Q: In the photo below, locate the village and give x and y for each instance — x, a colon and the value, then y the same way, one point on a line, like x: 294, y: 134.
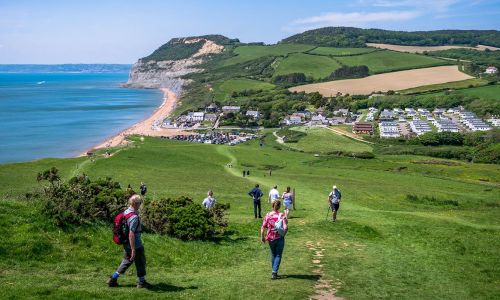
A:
x: 387, y: 123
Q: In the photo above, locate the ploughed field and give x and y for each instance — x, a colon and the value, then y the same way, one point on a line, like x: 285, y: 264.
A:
x: 409, y: 227
x: 384, y: 82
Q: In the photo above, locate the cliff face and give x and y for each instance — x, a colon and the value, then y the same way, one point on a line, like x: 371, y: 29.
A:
x: 166, y: 66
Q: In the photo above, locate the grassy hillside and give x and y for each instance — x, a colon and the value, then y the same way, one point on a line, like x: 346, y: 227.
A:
x: 446, y: 86
x: 222, y: 90
x: 384, y: 245
x: 341, y: 51
x: 490, y: 92
x: 247, y: 53
x: 388, y: 61
x: 311, y: 65
x: 322, y: 140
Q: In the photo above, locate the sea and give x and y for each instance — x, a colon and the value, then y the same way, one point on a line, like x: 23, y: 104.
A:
x: 63, y: 114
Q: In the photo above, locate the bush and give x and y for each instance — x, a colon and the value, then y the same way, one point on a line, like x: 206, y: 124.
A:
x: 349, y: 72
x: 183, y: 219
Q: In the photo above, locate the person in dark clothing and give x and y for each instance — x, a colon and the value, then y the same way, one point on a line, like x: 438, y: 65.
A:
x: 256, y: 194
x: 244, y: 172
x: 248, y: 173
x: 143, y: 188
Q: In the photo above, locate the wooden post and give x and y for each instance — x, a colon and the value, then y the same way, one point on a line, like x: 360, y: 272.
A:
x: 293, y: 202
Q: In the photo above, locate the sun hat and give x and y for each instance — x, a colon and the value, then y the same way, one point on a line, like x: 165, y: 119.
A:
x: 334, y: 187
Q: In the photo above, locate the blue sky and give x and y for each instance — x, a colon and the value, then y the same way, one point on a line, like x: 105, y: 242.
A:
x: 112, y: 31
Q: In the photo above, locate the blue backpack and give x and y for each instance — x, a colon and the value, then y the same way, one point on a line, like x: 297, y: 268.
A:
x: 279, y: 226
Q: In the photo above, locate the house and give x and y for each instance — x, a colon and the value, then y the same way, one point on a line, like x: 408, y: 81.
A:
x: 446, y: 125
x: 438, y: 111
x: 230, y: 109
x: 212, y: 108
x: 420, y: 127
x: 495, y: 121
x: 491, y: 70
x: 362, y: 128
x: 317, y: 120
x: 386, y: 115
x: 320, y: 111
x: 293, y: 120
x: 389, y: 130
x: 253, y: 113
x: 341, y: 112
x: 210, y: 117
x: 195, y: 116
x: 337, y: 120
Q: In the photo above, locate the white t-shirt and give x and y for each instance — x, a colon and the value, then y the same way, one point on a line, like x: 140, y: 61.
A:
x: 209, y: 202
x: 274, y: 195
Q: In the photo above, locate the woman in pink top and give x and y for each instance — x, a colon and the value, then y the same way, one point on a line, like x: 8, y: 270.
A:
x: 276, y: 242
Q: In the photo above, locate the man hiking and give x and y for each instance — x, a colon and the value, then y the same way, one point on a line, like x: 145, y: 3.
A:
x: 334, y: 201
x: 256, y: 194
x: 143, y: 189
x: 274, y: 195
x: 133, y: 249
x: 209, y: 202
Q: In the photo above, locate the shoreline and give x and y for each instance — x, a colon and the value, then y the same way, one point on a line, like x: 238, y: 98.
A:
x: 147, y: 127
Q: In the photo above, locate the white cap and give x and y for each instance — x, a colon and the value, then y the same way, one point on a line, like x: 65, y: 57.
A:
x: 334, y: 187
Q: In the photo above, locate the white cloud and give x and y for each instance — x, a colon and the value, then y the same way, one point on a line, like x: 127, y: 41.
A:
x: 358, y: 19
x: 421, y: 5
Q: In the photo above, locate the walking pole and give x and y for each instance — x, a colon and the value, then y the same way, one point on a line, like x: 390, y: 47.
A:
x: 293, y: 202
x: 327, y: 212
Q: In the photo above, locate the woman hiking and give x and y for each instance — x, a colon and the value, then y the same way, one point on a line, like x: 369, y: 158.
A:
x: 287, y: 201
x: 275, y: 239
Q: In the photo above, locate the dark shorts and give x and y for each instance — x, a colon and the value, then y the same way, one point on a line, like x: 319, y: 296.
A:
x: 335, y: 206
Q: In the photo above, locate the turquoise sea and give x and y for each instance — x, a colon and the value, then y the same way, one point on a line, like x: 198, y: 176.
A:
x: 64, y: 114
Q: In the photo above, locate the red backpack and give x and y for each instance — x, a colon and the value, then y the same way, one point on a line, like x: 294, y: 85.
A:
x: 120, y: 228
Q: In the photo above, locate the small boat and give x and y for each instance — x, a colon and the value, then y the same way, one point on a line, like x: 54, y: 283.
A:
x: 40, y: 82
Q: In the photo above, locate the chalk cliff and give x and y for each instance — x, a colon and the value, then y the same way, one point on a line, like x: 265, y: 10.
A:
x: 166, y: 66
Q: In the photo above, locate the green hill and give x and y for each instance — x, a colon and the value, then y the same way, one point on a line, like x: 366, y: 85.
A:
x: 357, y: 37
x: 427, y: 228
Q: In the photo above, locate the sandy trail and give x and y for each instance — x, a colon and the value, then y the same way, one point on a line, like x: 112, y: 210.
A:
x: 149, y: 126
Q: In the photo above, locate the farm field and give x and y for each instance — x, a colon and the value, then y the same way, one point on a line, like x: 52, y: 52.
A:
x: 383, y: 82
x: 341, y: 51
x: 246, y: 53
x: 489, y: 91
x: 322, y: 140
x: 416, y: 49
x: 311, y: 65
x: 222, y: 90
x: 388, y: 61
x: 446, y: 86
x: 427, y: 247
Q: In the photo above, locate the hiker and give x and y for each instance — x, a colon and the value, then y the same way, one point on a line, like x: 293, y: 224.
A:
x: 274, y: 237
x: 274, y: 195
x: 244, y: 172
x: 248, y: 173
x: 209, y: 201
x: 256, y: 194
x: 133, y: 248
x: 334, y: 201
x: 143, y: 188
x: 287, y: 200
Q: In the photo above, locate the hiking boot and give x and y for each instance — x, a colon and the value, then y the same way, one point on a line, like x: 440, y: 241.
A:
x: 274, y: 276
x: 144, y: 285
x: 112, y: 282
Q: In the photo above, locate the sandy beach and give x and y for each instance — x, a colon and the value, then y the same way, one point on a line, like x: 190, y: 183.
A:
x: 149, y: 126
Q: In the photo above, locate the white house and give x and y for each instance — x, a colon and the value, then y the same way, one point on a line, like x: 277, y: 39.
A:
x: 491, y: 70
x: 227, y: 109
x: 293, y: 120
x: 389, y: 130
x: 253, y: 113
x: 195, y: 116
x: 420, y: 127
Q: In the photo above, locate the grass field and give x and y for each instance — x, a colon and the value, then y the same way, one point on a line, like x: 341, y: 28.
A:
x: 246, y: 53
x: 223, y: 90
x: 388, y: 61
x: 490, y: 92
x: 322, y: 140
x: 445, y: 86
x: 341, y: 51
x: 384, y: 245
x: 311, y: 65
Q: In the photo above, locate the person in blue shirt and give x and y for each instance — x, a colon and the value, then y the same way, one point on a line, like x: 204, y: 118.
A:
x: 256, y: 194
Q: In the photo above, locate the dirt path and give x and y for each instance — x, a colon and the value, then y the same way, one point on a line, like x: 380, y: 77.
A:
x: 278, y: 138
x: 324, y: 288
x: 348, y: 134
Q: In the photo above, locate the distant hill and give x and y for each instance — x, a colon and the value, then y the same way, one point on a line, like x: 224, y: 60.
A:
x: 357, y: 37
x: 65, y: 68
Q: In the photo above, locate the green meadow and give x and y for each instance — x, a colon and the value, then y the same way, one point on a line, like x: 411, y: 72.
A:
x: 223, y: 90
x: 341, y: 51
x: 463, y: 84
x: 409, y: 227
x: 247, y: 53
x: 489, y: 92
x: 323, y: 140
x: 311, y: 65
x: 388, y: 61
